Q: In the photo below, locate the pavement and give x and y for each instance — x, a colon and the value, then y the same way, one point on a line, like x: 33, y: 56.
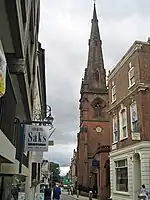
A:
x: 65, y: 196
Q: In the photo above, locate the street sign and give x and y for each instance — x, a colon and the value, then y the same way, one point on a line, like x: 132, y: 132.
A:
x: 21, y: 196
x: 36, y: 138
x: 51, y: 143
x: 67, y: 181
x: 40, y: 196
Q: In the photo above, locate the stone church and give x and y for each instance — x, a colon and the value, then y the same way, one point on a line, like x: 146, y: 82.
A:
x: 93, y: 138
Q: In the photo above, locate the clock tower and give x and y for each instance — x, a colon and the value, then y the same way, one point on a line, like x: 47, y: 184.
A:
x: 94, y: 124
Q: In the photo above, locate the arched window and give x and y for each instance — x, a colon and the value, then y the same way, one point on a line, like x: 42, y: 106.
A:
x: 98, y: 110
x: 98, y: 106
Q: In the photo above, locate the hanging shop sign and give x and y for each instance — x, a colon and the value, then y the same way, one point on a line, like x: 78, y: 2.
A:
x: 39, y: 196
x: 36, y: 138
x: 3, y: 65
x: 21, y: 196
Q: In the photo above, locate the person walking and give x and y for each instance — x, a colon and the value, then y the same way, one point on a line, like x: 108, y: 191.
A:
x: 144, y: 193
x: 47, y: 193
x: 56, y: 192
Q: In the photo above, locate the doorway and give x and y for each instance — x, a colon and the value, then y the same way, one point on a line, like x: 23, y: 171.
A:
x: 137, y: 172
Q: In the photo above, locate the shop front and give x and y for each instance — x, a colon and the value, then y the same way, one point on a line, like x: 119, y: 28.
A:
x: 11, y: 186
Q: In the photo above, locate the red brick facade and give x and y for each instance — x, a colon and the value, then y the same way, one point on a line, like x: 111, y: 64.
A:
x: 129, y: 116
x: 126, y: 95
x: 93, y: 138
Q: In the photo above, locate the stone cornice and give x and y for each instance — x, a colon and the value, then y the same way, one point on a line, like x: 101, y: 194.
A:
x: 135, y: 147
x: 136, y: 46
x: 95, y: 120
x: 139, y: 87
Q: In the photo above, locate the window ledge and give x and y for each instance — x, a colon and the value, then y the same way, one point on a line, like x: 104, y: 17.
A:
x: 122, y: 193
x: 131, y: 86
x: 113, y: 101
x: 114, y: 142
x: 135, y: 132
x: 125, y: 138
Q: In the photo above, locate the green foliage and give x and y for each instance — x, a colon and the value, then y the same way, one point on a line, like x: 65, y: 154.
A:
x: 54, y: 170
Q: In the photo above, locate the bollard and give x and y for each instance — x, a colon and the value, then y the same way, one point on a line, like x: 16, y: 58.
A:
x: 90, y: 195
x: 77, y: 193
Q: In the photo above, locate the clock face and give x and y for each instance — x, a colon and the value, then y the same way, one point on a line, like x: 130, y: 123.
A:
x: 98, y: 129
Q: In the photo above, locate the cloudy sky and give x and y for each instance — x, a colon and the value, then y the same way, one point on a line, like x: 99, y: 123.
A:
x: 64, y: 33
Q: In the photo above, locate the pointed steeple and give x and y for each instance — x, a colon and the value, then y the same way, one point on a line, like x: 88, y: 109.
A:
x: 95, y: 29
x: 95, y: 72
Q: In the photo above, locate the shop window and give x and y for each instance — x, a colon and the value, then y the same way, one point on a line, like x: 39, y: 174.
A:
x: 34, y: 168
x: 39, y: 171
x: 121, y: 175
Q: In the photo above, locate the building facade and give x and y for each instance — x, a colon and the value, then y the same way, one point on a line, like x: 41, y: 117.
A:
x: 94, y: 124
x: 19, y: 23
x: 129, y: 97
x: 39, y: 113
x: 73, y: 169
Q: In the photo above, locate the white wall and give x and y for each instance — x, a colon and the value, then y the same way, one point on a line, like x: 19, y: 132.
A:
x: 143, y: 149
x: 7, y: 150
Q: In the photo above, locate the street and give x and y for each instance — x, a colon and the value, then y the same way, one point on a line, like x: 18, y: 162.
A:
x: 65, y: 196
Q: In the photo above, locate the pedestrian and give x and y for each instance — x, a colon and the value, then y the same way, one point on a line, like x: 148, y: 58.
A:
x: 56, y: 192
x: 71, y: 189
x: 77, y: 191
x: 47, y: 193
x: 144, y: 192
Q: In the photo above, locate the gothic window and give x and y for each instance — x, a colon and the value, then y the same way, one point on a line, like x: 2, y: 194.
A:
x: 98, y: 107
x: 98, y: 110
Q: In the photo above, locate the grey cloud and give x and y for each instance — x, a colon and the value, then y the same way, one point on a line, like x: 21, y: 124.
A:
x: 60, y: 154
x: 64, y: 33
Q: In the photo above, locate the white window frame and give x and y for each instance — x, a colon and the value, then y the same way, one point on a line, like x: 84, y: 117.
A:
x: 113, y: 92
x: 121, y: 125
x: 131, y: 77
x: 117, y: 166
x: 136, y: 120
x: 115, y: 120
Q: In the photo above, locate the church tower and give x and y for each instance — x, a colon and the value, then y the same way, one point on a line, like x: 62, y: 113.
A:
x: 94, y: 125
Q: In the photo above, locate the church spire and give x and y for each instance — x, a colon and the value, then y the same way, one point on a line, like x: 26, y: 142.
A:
x: 95, y: 29
x: 95, y: 72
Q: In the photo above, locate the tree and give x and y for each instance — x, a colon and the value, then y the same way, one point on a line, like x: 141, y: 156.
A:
x: 54, y: 170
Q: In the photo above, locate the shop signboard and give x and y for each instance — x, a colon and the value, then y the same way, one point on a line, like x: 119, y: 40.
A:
x: 3, y: 65
x: 21, y: 196
x: 36, y: 138
x: 39, y: 196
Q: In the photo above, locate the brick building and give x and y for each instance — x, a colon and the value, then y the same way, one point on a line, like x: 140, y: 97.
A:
x: 129, y: 98
x: 93, y: 138
x: 73, y: 168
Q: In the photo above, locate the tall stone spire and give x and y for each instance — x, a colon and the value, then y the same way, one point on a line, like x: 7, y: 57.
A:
x: 95, y: 74
x: 95, y: 29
